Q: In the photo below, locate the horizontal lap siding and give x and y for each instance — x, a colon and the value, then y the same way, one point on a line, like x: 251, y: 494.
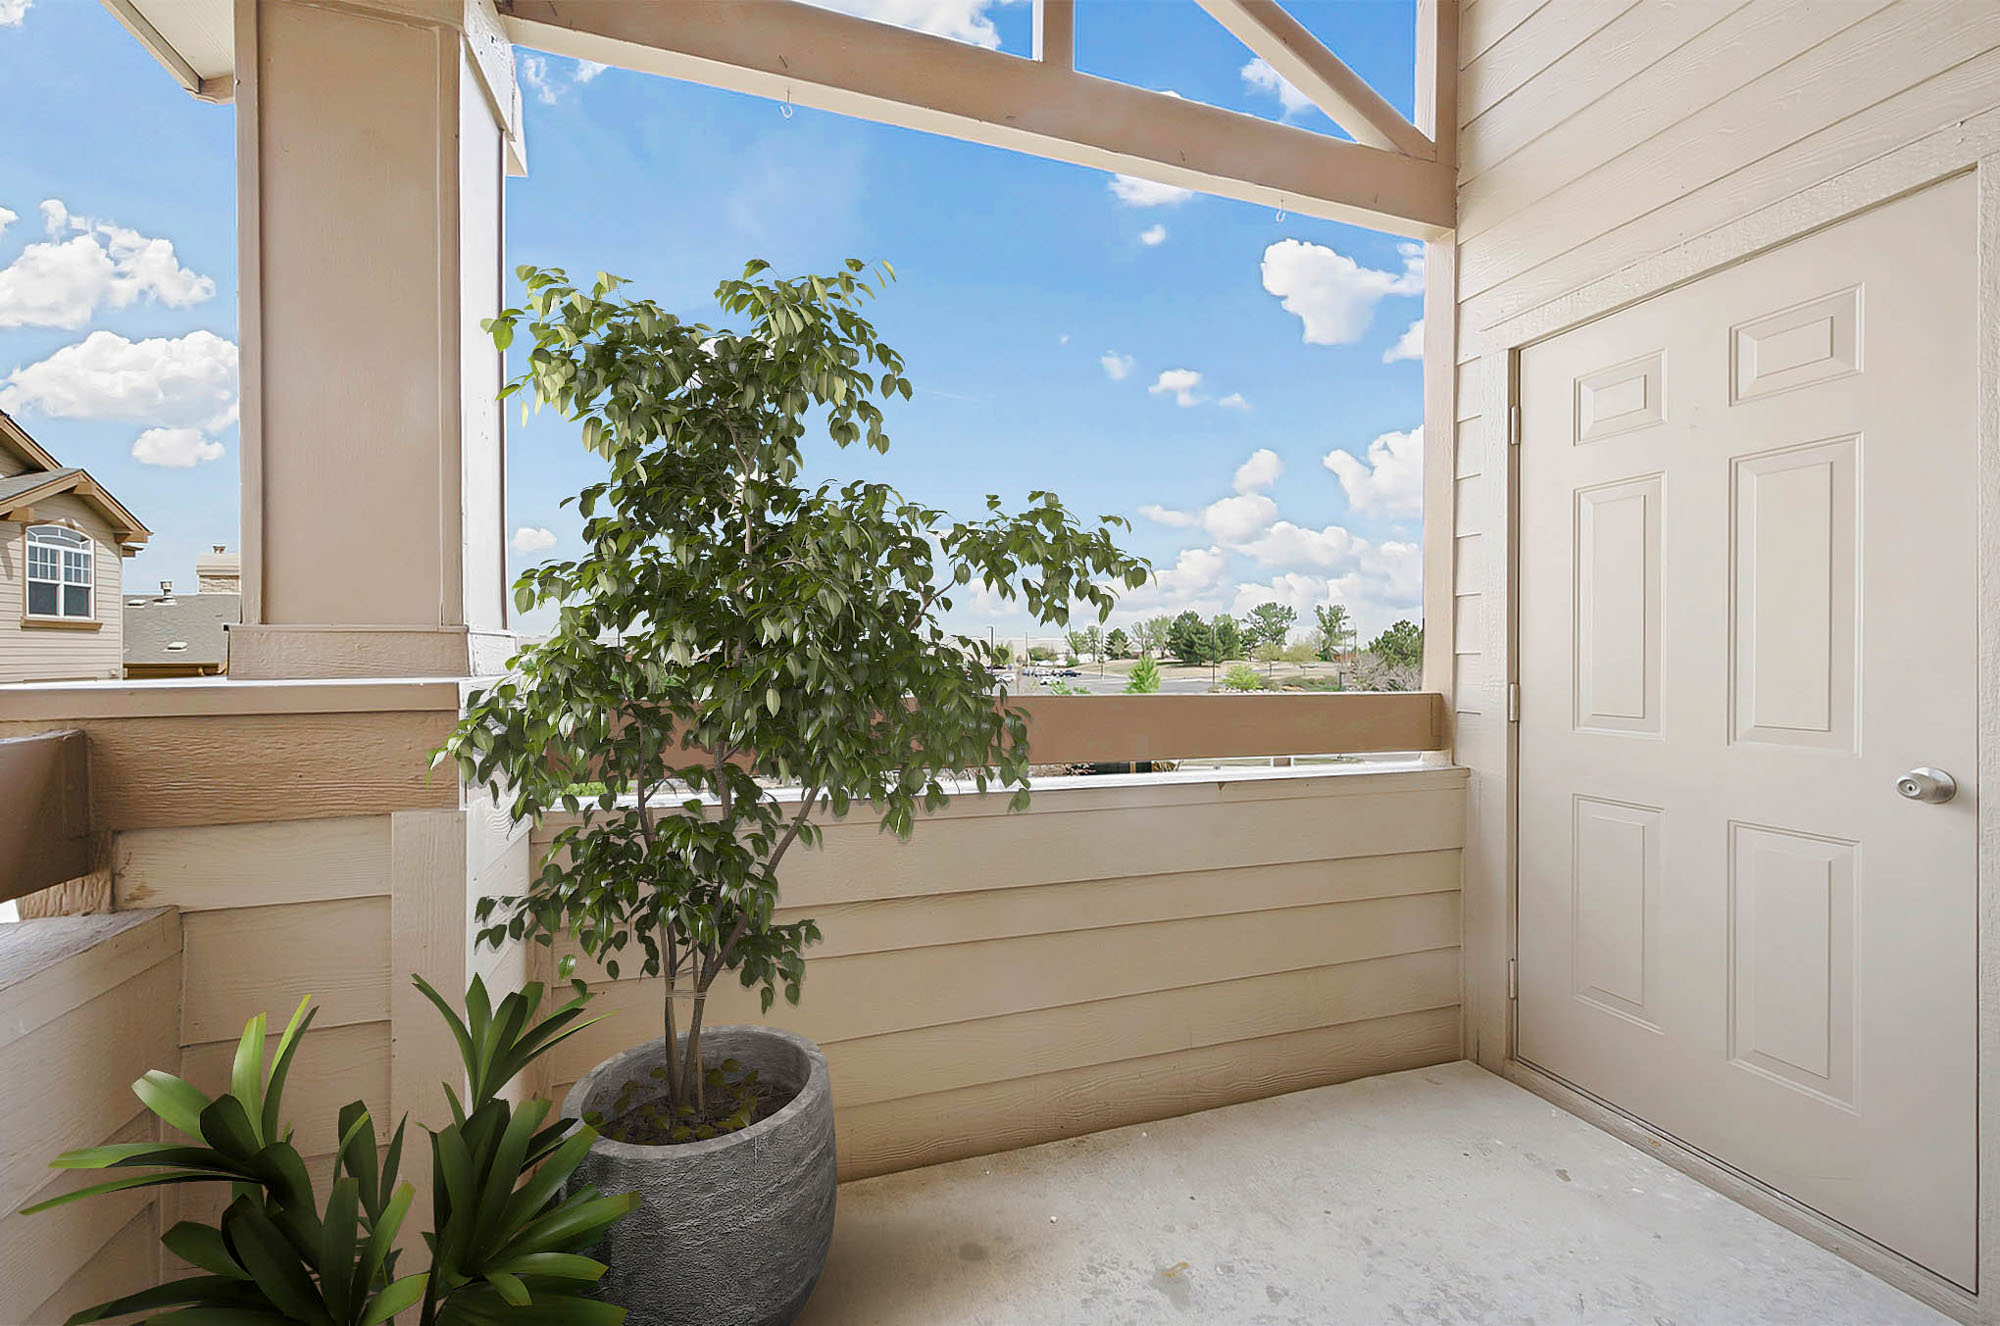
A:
x: 1002, y: 980
x: 73, y: 1037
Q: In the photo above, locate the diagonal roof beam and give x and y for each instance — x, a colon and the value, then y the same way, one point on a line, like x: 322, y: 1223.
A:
x: 784, y: 49
x: 1302, y: 61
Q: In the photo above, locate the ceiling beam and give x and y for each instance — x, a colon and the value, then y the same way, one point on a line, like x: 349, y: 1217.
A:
x: 1307, y: 65
x: 1055, y: 32
x: 1437, y: 76
x: 815, y: 57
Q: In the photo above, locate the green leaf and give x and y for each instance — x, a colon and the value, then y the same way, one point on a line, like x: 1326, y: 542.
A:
x: 393, y: 1299
x: 203, y: 1246
x: 246, y: 1074
x: 178, y: 1104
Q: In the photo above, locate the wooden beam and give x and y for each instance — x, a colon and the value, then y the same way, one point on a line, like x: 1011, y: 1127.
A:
x: 1055, y: 32
x: 45, y: 816
x: 1299, y: 58
x: 1437, y: 76
x: 1077, y: 729
x: 786, y: 49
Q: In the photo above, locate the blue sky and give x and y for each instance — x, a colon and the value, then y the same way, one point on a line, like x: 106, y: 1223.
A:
x: 1039, y: 304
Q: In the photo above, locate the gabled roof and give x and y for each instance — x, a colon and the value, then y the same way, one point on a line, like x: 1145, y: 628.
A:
x: 196, y: 623
x: 49, y: 479
x: 15, y: 438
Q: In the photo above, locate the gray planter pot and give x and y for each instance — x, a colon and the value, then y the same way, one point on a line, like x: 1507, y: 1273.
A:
x: 732, y: 1231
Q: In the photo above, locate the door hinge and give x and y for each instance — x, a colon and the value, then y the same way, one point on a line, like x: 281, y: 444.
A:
x: 1513, y: 978
x: 1513, y: 425
x: 1513, y: 702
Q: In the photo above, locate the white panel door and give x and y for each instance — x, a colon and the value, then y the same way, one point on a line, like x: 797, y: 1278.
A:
x: 1747, y: 604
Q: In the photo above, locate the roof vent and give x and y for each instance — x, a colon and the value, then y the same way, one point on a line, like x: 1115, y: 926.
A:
x: 177, y: 646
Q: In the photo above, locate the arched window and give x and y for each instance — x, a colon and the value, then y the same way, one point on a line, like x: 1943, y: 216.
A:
x: 61, y: 573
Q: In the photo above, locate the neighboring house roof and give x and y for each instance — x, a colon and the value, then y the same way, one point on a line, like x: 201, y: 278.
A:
x: 194, y: 622
x: 49, y: 479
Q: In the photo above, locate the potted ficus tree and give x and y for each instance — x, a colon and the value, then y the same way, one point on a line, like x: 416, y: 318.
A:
x: 736, y: 655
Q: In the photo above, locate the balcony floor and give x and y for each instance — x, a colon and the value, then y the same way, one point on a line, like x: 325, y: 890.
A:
x: 1438, y: 1195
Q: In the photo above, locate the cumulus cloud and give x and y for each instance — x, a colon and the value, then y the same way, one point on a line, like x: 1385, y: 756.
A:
x: 1154, y: 236
x: 1236, y: 520
x: 531, y: 539
x: 960, y: 20
x: 85, y: 265
x: 1258, y: 76
x: 1410, y: 345
x: 1116, y: 366
x: 7, y: 218
x: 1390, y: 478
x: 184, y: 382
x: 550, y: 82
x: 1135, y: 192
x: 588, y: 70
x: 1286, y: 544
x: 1381, y: 584
x: 1332, y: 295
x: 1180, y: 384
x: 175, y: 448
x: 1260, y: 471
x: 1195, y: 581
x: 1234, y: 401
x: 13, y: 11
x: 1160, y: 515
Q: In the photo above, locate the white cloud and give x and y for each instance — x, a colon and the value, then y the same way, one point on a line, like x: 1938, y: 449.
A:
x: 534, y: 73
x: 13, y: 11
x: 1260, y: 471
x: 1234, y: 401
x: 1258, y: 76
x: 1180, y: 384
x: 1116, y: 366
x: 587, y: 71
x: 960, y: 20
x: 1286, y: 544
x: 1391, y: 478
x: 1194, y: 581
x: 1160, y: 515
x: 1236, y: 520
x: 61, y: 282
x: 531, y: 539
x: 1410, y: 345
x: 1383, y: 583
x: 1135, y: 192
x: 186, y: 382
x: 1154, y: 236
x: 1063, y: 339
x: 7, y: 218
x: 1333, y: 296
x: 175, y: 448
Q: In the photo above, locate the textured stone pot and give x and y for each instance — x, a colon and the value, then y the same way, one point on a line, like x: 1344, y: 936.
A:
x: 732, y: 1231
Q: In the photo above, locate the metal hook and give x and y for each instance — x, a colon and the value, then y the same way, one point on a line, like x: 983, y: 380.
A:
x: 1281, y: 211
x: 786, y: 109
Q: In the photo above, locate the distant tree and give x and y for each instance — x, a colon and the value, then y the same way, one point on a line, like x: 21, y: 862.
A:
x: 1228, y: 638
x: 1085, y: 643
x: 1041, y: 653
x: 1271, y: 623
x: 1300, y: 651
x: 1118, y: 644
x: 1401, y: 646
x: 1190, y: 639
x: 1145, y: 678
x: 1268, y: 654
x: 1151, y: 635
x: 1333, y: 632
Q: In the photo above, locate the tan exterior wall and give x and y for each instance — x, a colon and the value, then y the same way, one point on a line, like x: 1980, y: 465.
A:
x: 1609, y: 152
x: 74, y: 1032
x: 1111, y: 955
x: 61, y: 653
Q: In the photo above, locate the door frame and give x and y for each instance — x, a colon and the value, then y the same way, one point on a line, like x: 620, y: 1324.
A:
x: 1492, y: 840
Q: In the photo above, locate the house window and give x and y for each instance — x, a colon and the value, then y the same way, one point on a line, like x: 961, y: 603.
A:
x: 61, y: 573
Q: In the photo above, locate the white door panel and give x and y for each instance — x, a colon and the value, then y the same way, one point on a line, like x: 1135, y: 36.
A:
x: 1747, y: 595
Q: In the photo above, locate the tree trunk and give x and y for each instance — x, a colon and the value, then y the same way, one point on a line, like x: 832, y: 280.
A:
x: 691, y: 1066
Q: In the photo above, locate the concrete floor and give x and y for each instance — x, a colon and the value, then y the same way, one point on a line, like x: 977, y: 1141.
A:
x: 1442, y: 1195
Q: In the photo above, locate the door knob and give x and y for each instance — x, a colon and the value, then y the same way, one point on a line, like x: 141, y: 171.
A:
x: 1930, y: 785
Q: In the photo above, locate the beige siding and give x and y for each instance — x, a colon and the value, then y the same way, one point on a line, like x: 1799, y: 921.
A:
x: 1607, y: 151
x: 42, y: 653
x: 1109, y: 956
x: 74, y: 1032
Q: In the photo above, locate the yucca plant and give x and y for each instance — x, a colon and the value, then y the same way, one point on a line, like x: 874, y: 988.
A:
x: 505, y: 1245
